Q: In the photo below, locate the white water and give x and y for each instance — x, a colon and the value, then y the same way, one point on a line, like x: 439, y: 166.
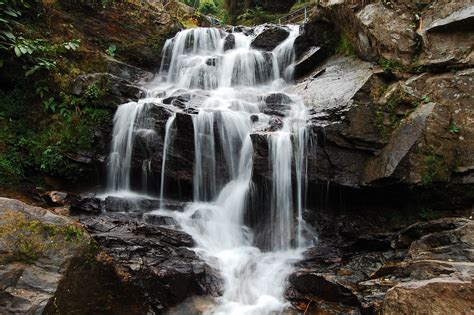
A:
x: 236, y: 82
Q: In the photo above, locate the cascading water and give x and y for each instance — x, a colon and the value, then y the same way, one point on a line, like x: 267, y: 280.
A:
x: 236, y: 81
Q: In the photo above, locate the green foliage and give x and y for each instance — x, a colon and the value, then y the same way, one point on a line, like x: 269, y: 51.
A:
x: 11, y: 172
x: 425, y: 99
x: 388, y: 116
x: 435, y: 167
x: 10, y: 10
x: 49, y: 105
x: 454, y: 128
x: 257, y: 16
x: 43, y: 148
x: 34, y: 54
x: 111, y: 50
x: 208, y: 8
x: 344, y: 47
x: 428, y: 214
x: 391, y: 65
x: 92, y: 92
x: 97, y: 115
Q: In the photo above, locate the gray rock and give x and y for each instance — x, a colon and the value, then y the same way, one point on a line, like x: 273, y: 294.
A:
x: 114, y: 90
x: 447, y: 34
x: 270, y: 38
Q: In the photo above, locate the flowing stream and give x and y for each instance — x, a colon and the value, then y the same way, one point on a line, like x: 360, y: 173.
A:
x: 243, y: 91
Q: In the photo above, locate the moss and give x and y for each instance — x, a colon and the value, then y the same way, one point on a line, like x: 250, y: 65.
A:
x: 344, y: 47
x: 435, y: 166
x: 390, y: 114
x: 390, y: 65
x: 26, y: 240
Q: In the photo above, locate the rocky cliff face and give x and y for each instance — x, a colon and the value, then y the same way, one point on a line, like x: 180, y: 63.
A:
x: 403, y: 117
x: 391, y: 134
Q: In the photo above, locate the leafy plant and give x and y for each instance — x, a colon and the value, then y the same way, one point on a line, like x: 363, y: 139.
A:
x: 428, y: 214
x: 49, y: 105
x: 453, y: 128
x: 111, y: 50
x: 72, y: 45
x: 344, y: 47
x: 9, y: 11
x: 92, y: 92
x: 390, y: 65
x: 208, y: 8
x: 425, y: 99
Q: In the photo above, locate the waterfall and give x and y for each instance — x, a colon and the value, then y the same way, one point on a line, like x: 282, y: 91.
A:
x: 166, y: 144
x: 123, y: 135
x: 237, y: 81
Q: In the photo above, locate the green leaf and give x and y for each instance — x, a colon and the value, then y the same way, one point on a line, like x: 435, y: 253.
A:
x: 11, y: 12
x: 17, y: 51
x: 9, y: 35
x: 23, y: 49
x: 31, y: 71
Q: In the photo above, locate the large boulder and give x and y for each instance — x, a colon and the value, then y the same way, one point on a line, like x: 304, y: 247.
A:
x: 434, y: 296
x: 105, y: 89
x: 155, y: 259
x: 270, y: 37
x: 447, y: 34
x: 376, y: 31
x: 36, y: 249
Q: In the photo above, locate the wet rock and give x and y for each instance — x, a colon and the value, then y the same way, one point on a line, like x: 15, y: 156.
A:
x: 180, y: 157
x: 241, y: 29
x: 137, y: 204
x: 86, y: 204
x: 340, y: 103
x: 116, y: 204
x: 277, y: 104
x: 229, y: 42
x: 184, y: 98
x: 453, y: 245
x: 212, y: 61
x: 322, y: 286
x: 56, y: 198
x: 155, y: 259
x: 154, y: 219
x: 277, y: 99
x: 112, y: 89
x: 309, y: 61
x: 317, y: 33
x: 270, y: 38
x: 126, y: 71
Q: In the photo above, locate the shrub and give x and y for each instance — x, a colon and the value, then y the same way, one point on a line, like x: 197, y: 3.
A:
x: 208, y: 8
